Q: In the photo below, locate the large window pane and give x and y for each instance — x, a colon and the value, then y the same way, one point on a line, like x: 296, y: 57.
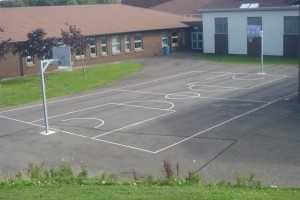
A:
x: 221, y: 25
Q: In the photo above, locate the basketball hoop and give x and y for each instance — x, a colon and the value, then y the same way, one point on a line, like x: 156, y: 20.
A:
x: 250, y: 38
x: 252, y: 32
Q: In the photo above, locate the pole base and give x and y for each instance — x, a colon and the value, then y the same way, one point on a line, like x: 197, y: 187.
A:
x: 49, y: 132
x: 261, y: 73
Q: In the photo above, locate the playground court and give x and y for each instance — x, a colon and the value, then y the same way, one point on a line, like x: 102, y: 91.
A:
x: 217, y: 119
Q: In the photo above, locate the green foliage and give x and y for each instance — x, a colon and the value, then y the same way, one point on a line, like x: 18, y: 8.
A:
x: 167, y: 169
x: 194, y: 178
x: 61, y: 183
x: 28, y: 89
x: 106, y: 179
x: 248, y: 181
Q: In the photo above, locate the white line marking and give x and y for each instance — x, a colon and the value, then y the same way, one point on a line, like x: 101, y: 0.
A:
x: 248, y: 79
x: 17, y: 120
x: 142, y: 92
x: 100, y: 120
x: 265, y: 83
x: 96, y: 93
x: 182, y: 95
x: 105, y: 141
x: 129, y: 104
x: 209, y: 78
x: 225, y: 122
x: 212, y: 90
x: 72, y: 112
x: 254, y: 101
x: 83, y: 136
x: 133, y: 124
x: 122, y: 145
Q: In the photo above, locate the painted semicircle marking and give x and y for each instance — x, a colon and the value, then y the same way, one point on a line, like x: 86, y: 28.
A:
x: 152, y: 104
x: 100, y: 122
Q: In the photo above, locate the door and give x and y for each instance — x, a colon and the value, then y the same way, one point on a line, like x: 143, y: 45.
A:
x: 197, y: 41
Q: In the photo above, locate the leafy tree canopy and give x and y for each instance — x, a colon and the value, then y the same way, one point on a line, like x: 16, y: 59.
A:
x: 36, y: 45
x: 5, y: 46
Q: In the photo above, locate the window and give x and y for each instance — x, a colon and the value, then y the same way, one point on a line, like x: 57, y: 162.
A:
x: 164, y: 39
x: 127, y: 43
x: 138, y: 43
x: 254, y: 21
x: 103, y: 45
x: 93, y: 46
x: 291, y: 25
x: 183, y: 38
x: 115, y: 44
x: 79, y: 55
x: 221, y: 25
x: 174, y: 38
x: 29, y: 60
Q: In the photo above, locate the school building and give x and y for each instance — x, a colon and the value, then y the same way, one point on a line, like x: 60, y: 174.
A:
x: 117, y: 32
x: 224, y: 30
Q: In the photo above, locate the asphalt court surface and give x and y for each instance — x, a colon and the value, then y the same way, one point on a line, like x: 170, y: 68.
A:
x: 156, y: 115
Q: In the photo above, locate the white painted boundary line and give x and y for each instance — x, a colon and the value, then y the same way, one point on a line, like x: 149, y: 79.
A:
x: 265, y: 83
x: 225, y: 122
x: 214, y: 77
x: 91, y: 119
x: 72, y: 112
x: 96, y: 93
x: 83, y: 136
x: 132, y: 125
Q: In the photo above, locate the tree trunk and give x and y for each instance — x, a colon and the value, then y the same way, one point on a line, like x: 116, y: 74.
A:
x: 21, y: 65
x: 83, y: 68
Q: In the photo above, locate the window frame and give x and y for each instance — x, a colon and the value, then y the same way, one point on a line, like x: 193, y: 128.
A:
x: 104, y: 45
x: 221, y: 25
x: 78, y: 55
x: 291, y: 27
x: 93, y: 46
x: 127, y: 43
x: 115, y: 44
x: 174, y: 38
x: 29, y: 60
x: 164, y: 39
x: 138, y: 41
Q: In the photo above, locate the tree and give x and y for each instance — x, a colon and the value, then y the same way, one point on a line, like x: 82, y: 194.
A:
x: 5, y: 46
x: 77, y: 42
x: 36, y: 45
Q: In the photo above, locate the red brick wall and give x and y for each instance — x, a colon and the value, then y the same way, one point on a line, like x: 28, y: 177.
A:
x: 152, y: 46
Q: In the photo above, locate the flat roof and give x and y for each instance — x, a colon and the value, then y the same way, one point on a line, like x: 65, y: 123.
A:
x: 282, y: 8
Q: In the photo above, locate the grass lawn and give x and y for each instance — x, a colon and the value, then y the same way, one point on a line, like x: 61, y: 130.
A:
x: 147, y: 192
x: 28, y: 89
x: 243, y: 59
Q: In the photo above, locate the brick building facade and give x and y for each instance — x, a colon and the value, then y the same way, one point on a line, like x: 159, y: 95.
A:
x: 143, y: 34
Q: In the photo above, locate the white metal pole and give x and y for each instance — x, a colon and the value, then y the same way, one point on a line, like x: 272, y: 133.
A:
x: 262, y: 52
x: 44, y: 95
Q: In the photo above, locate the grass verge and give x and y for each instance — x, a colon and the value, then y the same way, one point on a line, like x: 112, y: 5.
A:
x: 60, y: 182
x: 243, y: 59
x: 28, y: 89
